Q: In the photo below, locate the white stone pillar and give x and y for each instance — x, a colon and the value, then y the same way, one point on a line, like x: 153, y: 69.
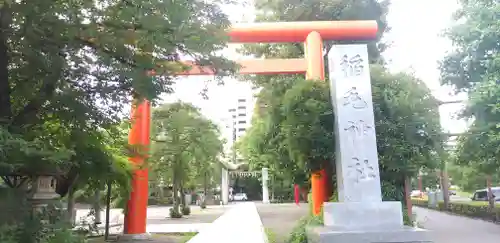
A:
x: 360, y: 215
x: 265, y: 189
x: 224, y: 188
x: 358, y: 178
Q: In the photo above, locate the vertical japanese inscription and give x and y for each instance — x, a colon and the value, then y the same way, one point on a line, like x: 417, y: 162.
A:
x: 352, y: 65
x: 357, y: 161
x: 359, y: 171
x: 356, y: 131
x: 353, y: 99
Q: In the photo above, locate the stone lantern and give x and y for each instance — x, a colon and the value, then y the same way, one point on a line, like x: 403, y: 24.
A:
x: 44, y: 188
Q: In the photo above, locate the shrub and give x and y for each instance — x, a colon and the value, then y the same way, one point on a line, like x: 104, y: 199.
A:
x: 174, y: 213
x: 299, y: 232
x: 165, y: 201
x: 152, y: 201
x: 420, y: 202
x: 203, y: 204
x: 42, y: 226
x: 472, y: 209
x: 186, y: 210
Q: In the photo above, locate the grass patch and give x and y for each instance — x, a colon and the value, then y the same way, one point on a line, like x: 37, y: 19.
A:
x: 271, y: 236
x: 187, y: 236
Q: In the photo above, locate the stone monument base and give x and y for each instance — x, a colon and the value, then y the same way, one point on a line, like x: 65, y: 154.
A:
x: 334, y: 235
x: 365, y: 222
x: 356, y: 215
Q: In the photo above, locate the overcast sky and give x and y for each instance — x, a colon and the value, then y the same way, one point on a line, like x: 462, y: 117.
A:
x: 417, y: 46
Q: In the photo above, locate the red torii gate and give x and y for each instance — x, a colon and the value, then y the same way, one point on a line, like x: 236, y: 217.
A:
x: 311, y: 33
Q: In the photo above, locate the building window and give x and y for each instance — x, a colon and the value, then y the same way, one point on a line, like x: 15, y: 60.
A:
x: 241, y: 100
x: 241, y: 129
x: 242, y: 122
x: 242, y: 114
x: 241, y: 107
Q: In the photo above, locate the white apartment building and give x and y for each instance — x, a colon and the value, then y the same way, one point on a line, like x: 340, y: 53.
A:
x: 237, y: 122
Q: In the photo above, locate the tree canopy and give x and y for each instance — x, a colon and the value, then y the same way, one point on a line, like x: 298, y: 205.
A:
x: 187, y: 147
x: 473, y: 67
x: 296, y: 134
x: 69, y: 69
x: 78, y: 64
x: 292, y: 131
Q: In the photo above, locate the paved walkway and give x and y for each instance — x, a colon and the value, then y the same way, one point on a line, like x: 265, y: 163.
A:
x: 447, y: 228
x: 159, y: 222
x: 279, y: 218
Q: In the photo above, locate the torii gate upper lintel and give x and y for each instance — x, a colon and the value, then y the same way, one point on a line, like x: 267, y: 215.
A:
x: 312, y: 33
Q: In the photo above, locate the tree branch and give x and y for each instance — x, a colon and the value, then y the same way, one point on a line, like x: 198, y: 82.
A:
x: 7, y: 181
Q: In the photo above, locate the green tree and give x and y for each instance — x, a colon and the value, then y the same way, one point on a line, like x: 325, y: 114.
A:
x: 473, y: 67
x: 300, y: 123
x: 310, y: 10
x: 468, y: 178
x: 68, y: 69
x: 187, y: 146
x: 74, y: 65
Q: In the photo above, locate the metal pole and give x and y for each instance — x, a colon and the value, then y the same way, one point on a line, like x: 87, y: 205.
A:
x: 108, y: 205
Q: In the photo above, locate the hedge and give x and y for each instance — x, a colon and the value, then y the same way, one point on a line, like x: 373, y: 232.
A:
x: 473, y: 209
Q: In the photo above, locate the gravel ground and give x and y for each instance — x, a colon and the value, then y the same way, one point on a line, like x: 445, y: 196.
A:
x: 281, y: 218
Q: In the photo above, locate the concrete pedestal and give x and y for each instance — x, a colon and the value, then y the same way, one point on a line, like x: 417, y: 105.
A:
x: 364, y: 222
x: 356, y: 215
x: 368, y: 235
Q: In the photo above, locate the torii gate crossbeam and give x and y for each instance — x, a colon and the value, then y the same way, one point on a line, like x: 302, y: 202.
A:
x: 311, y: 33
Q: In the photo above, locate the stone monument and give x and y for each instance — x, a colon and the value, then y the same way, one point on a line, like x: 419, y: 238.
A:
x: 360, y: 215
x: 44, y: 188
x: 265, y: 189
x: 224, y: 186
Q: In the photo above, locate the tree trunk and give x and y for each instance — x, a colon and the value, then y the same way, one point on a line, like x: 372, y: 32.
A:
x: 444, y: 188
x: 175, y: 190
x: 407, y: 194
x: 97, y: 207
x: 205, y: 184
x: 273, y: 179
x: 161, y: 192
x: 183, y: 196
x: 491, y: 198
x: 205, y: 188
x: 71, y: 211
